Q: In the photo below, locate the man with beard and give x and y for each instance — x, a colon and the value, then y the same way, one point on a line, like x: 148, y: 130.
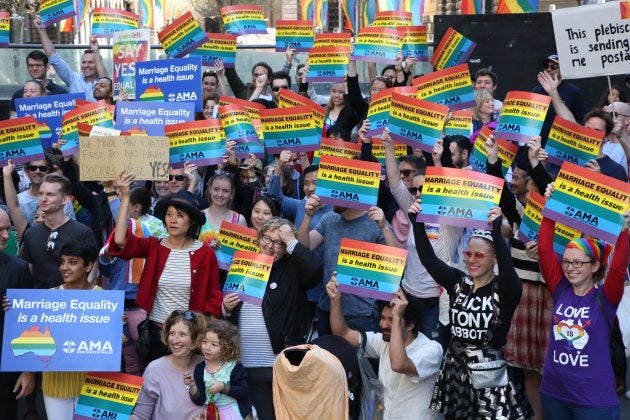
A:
x: 408, y: 360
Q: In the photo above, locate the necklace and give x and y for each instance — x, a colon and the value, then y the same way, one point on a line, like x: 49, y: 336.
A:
x: 214, y: 372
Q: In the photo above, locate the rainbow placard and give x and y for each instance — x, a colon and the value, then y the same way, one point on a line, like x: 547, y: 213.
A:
x: 378, y: 45
x: 234, y: 237
x: 415, y: 43
x: 221, y: 46
x: 458, y: 197
x: 248, y: 275
x: 108, y: 395
x: 200, y: 142
x: 339, y: 148
x: 241, y: 20
x: 479, y: 158
x: 288, y: 99
x: 182, y: 36
x: 5, y: 29
x: 392, y: 19
x: 327, y: 64
x: 451, y: 87
x: 238, y: 126
x: 460, y: 124
x: 348, y: 182
x: 333, y: 39
x: 297, y: 34
x: 571, y: 142
x: 530, y: 225
x: 106, y: 21
x: 52, y: 11
x: 370, y: 270
x: 20, y: 141
x: 378, y: 112
x: 129, y: 48
x: 589, y: 201
x: 290, y: 128
x: 416, y: 122
x: 253, y: 108
x: 378, y: 150
x: 94, y: 113
x: 522, y: 116
x: 453, y: 49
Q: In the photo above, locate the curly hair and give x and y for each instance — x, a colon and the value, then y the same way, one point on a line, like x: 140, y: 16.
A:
x: 194, y: 321
x: 228, y: 337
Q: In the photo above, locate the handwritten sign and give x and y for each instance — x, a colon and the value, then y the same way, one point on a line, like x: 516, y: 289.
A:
x: 592, y: 40
x: 451, y: 87
x: 234, y: 237
x: 52, y: 11
x: 200, y: 142
x: 297, y: 34
x: 327, y: 64
x: 248, y: 276
x: 238, y: 126
x: 20, y: 141
x: 53, y: 330
x: 392, y: 19
x: 458, y: 197
x: 5, y: 29
x: 378, y: 45
x: 182, y: 36
x: 479, y: 158
x: 290, y: 128
x: 151, y: 117
x: 415, y: 43
x: 571, y: 142
x: 108, y: 395
x: 416, y: 122
x: 218, y: 46
x: 129, y: 48
x: 370, y: 270
x: 243, y: 19
x: 104, y: 157
x: 460, y: 124
x: 522, y: 116
x: 93, y: 113
x: 453, y: 49
x: 348, y: 182
x: 339, y: 148
x: 106, y: 21
x: 589, y: 201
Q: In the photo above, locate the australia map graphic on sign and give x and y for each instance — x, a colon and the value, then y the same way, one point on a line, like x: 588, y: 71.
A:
x: 41, y: 344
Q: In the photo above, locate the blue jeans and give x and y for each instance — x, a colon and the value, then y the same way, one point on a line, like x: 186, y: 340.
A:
x: 556, y: 409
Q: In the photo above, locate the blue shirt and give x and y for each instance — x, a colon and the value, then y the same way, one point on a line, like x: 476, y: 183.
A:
x: 76, y: 81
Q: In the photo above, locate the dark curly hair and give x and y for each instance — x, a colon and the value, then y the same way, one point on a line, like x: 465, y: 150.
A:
x: 228, y: 337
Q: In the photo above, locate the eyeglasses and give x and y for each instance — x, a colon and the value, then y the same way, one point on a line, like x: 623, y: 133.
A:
x: 407, y: 172
x: 415, y: 190
x: 223, y: 173
x: 277, y: 88
x: 41, y: 168
x: 176, y: 177
x: 50, y: 244
x: 188, y: 314
x: 390, y: 77
x: 35, y: 66
x: 576, y: 263
x: 552, y: 67
x: 276, y: 244
x: 476, y: 254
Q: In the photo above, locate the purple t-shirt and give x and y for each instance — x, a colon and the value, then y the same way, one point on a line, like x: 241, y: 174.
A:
x: 577, y: 364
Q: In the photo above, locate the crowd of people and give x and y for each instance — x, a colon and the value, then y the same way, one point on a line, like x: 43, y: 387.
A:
x: 468, y: 299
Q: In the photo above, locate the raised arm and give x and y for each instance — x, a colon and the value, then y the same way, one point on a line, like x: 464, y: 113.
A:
x: 400, y: 361
x: 509, y: 282
x: 123, y: 182
x: 338, y: 324
x: 10, y: 194
x: 47, y: 44
x: 98, y: 60
x: 550, y: 84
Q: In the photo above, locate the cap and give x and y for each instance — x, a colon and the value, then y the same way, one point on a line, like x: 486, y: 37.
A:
x: 553, y: 58
x: 619, y: 108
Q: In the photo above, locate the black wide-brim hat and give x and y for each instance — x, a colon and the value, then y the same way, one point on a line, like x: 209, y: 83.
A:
x: 185, y: 200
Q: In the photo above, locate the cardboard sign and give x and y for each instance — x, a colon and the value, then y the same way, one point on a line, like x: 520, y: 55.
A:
x: 459, y: 197
x: 297, y: 34
x: 451, y: 87
x: 571, y: 142
x: 248, y: 276
x: 104, y: 157
x: 370, y: 270
x: 182, y: 36
x: 522, y: 116
x: 378, y: 45
x: 589, y: 201
x: 108, y: 395
x: 53, y: 330
x: 234, y: 237
x: 151, y: 117
x: 106, y: 21
x: 290, y: 128
x: 20, y: 141
x: 219, y: 46
x: 241, y: 20
x: 52, y: 11
x: 348, y: 182
x: 415, y: 122
x: 129, y: 48
x: 200, y: 142
x: 453, y: 49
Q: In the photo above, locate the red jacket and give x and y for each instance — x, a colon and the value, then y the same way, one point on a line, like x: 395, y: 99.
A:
x: 205, y: 292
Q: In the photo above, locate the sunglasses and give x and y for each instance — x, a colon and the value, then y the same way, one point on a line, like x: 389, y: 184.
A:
x: 407, y: 172
x: 415, y: 190
x: 188, y: 314
x: 50, y: 243
x: 276, y: 244
x: 41, y: 168
x: 476, y: 254
x: 224, y: 173
x: 277, y: 88
x: 176, y: 177
x: 552, y: 67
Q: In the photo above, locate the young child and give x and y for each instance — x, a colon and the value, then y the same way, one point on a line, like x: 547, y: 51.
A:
x: 220, y: 381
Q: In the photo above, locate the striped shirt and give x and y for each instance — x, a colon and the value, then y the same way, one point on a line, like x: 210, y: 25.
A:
x: 255, y: 341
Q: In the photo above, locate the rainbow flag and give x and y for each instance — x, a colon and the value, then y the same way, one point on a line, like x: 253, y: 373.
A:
x: 624, y: 7
x: 517, y: 6
x: 308, y: 10
x: 416, y: 7
x: 369, y: 11
x: 349, y: 8
x: 471, y: 7
x: 147, y: 13
x: 387, y: 5
x: 5, y: 29
x: 81, y: 7
x: 159, y: 13
x: 67, y: 25
x: 321, y: 13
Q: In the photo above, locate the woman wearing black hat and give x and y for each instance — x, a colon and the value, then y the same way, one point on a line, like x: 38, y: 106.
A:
x: 179, y: 272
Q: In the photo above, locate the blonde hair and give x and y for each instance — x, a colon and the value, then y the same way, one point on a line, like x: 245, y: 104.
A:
x: 480, y: 97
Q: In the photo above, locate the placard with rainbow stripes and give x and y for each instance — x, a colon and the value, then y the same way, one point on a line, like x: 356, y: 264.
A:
x: 453, y: 49
x: 234, y: 237
x: 93, y: 113
x: 589, y: 201
x: 52, y: 11
x: 348, y: 182
x: 339, y: 148
x: 571, y: 142
x: 327, y: 64
x: 289, y: 129
x: 182, y: 36
x: 392, y: 19
x: 20, y: 141
x: 416, y: 122
x: 459, y: 197
x: 248, y: 276
x: 200, y: 142
x: 522, y: 116
x: 5, y: 29
x: 288, y: 99
x: 333, y: 39
x: 243, y: 19
x: 460, y: 124
x: 479, y: 158
x: 221, y: 46
x: 108, y: 395
x: 378, y: 45
x: 451, y: 87
x: 415, y: 43
x: 238, y: 126
x: 107, y: 20
x: 370, y: 270
x: 297, y: 34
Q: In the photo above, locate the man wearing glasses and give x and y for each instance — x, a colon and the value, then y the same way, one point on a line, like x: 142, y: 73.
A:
x: 279, y: 80
x: 37, y: 66
x: 571, y: 95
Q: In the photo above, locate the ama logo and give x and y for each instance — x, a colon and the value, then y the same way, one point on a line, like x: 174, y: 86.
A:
x: 582, y: 216
x: 88, y: 347
x: 182, y: 97
x: 366, y: 283
x: 455, y: 212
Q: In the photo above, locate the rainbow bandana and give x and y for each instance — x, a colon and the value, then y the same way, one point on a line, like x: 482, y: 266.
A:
x: 594, y: 248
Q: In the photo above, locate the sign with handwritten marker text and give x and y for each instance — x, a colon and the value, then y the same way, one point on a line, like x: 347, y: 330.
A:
x: 458, y: 197
x: 479, y: 158
x: 453, y: 49
x: 571, y: 142
x: 243, y: 19
x: 339, y: 148
x: 218, y: 46
x: 348, y: 182
x: 200, y: 142
x: 522, y: 116
x: 182, y: 36
x: 290, y: 128
x: 238, y: 126
x: 460, y: 124
x: 106, y: 21
x: 415, y: 43
x: 248, y: 276
x: 451, y: 87
x: 369, y: 270
x: 327, y: 64
x: 297, y: 34
x: 94, y: 113
x: 108, y: 394
x: 234, y: 237
x: 152, y: 117
x: 20, y: 141
x: 416, y: 122
x: 589, y: 201
x: 52, y: 11
x: 378, y: 45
